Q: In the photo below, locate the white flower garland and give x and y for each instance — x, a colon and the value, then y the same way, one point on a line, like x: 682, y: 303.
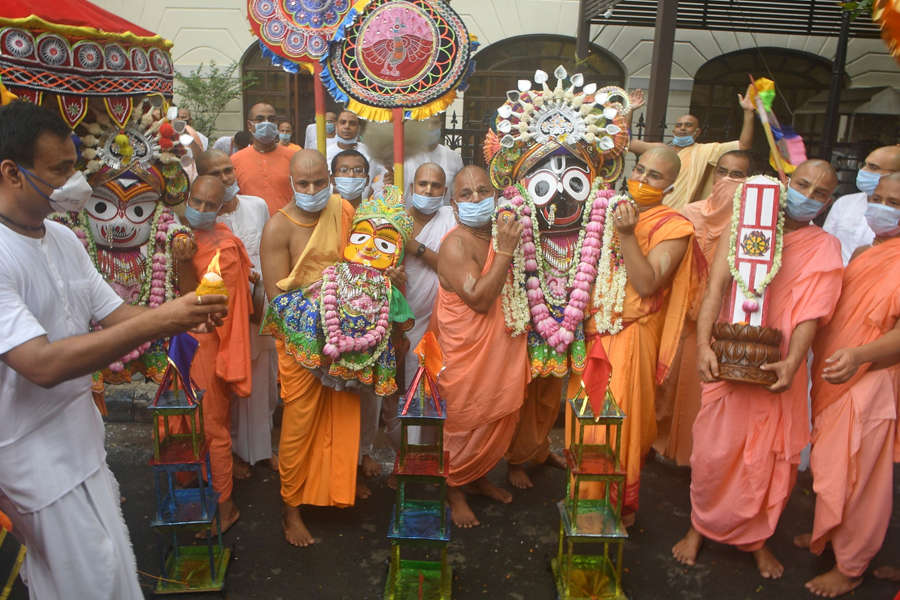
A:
x: 609, y: 288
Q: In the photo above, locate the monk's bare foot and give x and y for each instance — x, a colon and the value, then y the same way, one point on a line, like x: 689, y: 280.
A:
x: 370, y: 468
x: 295, y: 531
x: 685, y: 551
x: 228, y: 516
x: 888, y: 572
x: 802, y: 540
x: 484, y: 487
x: 556, y: 460
x: 768, y: 565
x: 832, y: 584
x: 273, y: 462
x: 363, y: 491
x: 241, y: 468
x: 628, y: 520
x: 460, y: 512
x: 518, y: 477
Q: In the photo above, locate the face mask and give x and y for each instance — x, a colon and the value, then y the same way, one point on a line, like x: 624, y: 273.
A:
x: 266, y: 132
x: 476, y: 214
x: 284, y: 138
x: 350, y: 187
x: 352, y: 140
x: 329, y: 127
x: 883, y: 220
x: 645, y: 194
x: 682, y: 140
x: 199, y: 220
x: 867, y: 181
x: 434, y: 137
x: 800, y: 208
x: 427, y: 205
x: 311, y: 203
x: 71, y: 197
x: 230, y: 192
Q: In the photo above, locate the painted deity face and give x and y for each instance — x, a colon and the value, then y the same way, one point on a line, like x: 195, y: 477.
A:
x: 372, y: 245
x: 559, y: 186
x: 120, y: 212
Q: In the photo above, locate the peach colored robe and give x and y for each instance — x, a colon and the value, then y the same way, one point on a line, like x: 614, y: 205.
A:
x: 265, y: 174
x: 483, y: 382
x: 678, y: 400
x: 642, y: 353
x: 694, y: 178
x: 221, y: 366
x: 854, y: 423
x: 747, y: 440
x: 540, y: 408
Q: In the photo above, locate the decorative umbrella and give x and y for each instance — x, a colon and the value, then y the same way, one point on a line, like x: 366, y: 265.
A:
x: 887, y: 14
x: 398, y: 59
x: 294, y: 34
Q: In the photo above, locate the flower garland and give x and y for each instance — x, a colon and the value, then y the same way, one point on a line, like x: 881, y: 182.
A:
x: 335, y: 279
x: 733, y: 243
x: 609, y: 289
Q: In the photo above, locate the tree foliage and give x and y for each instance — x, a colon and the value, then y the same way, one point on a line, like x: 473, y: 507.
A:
x: 207, y: 90
x: 858, y: 8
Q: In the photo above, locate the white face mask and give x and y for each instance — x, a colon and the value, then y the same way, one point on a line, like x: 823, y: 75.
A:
x: 230, y: 192
x: 73, y: 195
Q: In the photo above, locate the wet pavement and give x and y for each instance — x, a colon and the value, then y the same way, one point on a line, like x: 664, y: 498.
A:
x: 507, y: 557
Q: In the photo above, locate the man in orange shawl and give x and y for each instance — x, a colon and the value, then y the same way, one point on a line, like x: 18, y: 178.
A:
x: 320, y: 426
x: 854, y: 402
x: 747, y: 438
x: 485, y: 370
x: 664, y: 268
x: 221, y: 366
x: 678, y: 400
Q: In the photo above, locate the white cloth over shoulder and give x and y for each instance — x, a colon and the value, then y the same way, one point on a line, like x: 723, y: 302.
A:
x: 847, y: 222
x: 225, y: 144
x: 51, y: 440
x: 332, y: 150
x: 247, y: 223
x: 449, y: 160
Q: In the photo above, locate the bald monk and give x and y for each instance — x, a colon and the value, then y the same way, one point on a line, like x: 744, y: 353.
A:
x: 663, y: 269
x: 263, y: 167
x: 485, y: 370
x: 854, y: 402
x: 748, y: 438
x: 846, y: 219
x: 679, y: 398
x: 320, y: 426
x: 697, y: 160
x: 221, y: 366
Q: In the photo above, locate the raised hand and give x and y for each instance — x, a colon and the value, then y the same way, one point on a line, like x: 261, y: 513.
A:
x: 509, y: 232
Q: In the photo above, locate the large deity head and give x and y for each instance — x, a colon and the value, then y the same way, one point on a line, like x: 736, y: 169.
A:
x: 381, y: 229
x: 121, y: 209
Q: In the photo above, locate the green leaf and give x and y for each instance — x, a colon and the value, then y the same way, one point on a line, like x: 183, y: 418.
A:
x: 207, y: 90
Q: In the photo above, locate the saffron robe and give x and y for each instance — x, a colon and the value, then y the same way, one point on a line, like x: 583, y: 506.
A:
x: 222, y: 366
x: 748, y: 440
x: 694, y: 181
x: 265, y: 174
x: 483, y: 383
x: 854, y: 423
x: 641, y: 354
x: 320, y: 426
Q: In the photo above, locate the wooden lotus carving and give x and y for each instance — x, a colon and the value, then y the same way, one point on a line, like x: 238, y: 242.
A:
x: 741, y: 349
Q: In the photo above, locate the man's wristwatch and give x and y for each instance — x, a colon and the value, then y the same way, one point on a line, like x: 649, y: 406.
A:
x: 421, y: 250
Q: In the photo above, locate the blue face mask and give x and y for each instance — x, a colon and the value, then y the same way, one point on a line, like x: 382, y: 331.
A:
x: 883, y: 220
x: 329, y: 127
x: 434, y: 137
x: 352, y: 140
x: 867, y: 181
x: 350, y: 188
x: 265, y: 132
x: 800, y: 208
x: 427, y: 205
x: 476, y: 214
x: 231, y: 191
x: 284, y: 138
x: 311, y: 203
x: 682, y: 140
x: 199, y: 220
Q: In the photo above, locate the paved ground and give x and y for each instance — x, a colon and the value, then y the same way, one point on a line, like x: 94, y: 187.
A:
x: 506, y: 558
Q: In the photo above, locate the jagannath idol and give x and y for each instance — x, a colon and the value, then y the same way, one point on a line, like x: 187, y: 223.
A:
x: 341, y: 327
x: 556, y: 154
x: 128, y: 226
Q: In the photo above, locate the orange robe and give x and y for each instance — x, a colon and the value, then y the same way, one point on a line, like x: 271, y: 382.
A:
x: 748, y: 440
x: 221, y: 366
x: 483, y: 382
x: 265, y: 174
x: 678, y: 401
x: 854, y: 423
x: 531, y: 441
x: 320, y: 426
x: 641, y: 354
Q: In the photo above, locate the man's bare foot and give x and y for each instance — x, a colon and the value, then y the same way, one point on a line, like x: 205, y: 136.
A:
x: 888, y: 572
x: 370, y: 468
x: 460, y: 512
x: 363, y: 491
x: 802, y: 540
x: 273, y: 462
x: 240, y: 468
x: 295, y: 531
x: 685, y: 551
x: 768, y: 565
x: 228, y: 516
x: 484, y: 487
x: 518, y: 477
x: 556, y: 460
x: 832, y: 584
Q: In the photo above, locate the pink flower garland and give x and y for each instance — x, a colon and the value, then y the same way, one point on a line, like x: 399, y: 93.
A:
x: 337, y: 342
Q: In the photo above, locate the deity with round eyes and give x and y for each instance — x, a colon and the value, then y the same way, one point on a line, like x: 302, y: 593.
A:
x: 346, y: 326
